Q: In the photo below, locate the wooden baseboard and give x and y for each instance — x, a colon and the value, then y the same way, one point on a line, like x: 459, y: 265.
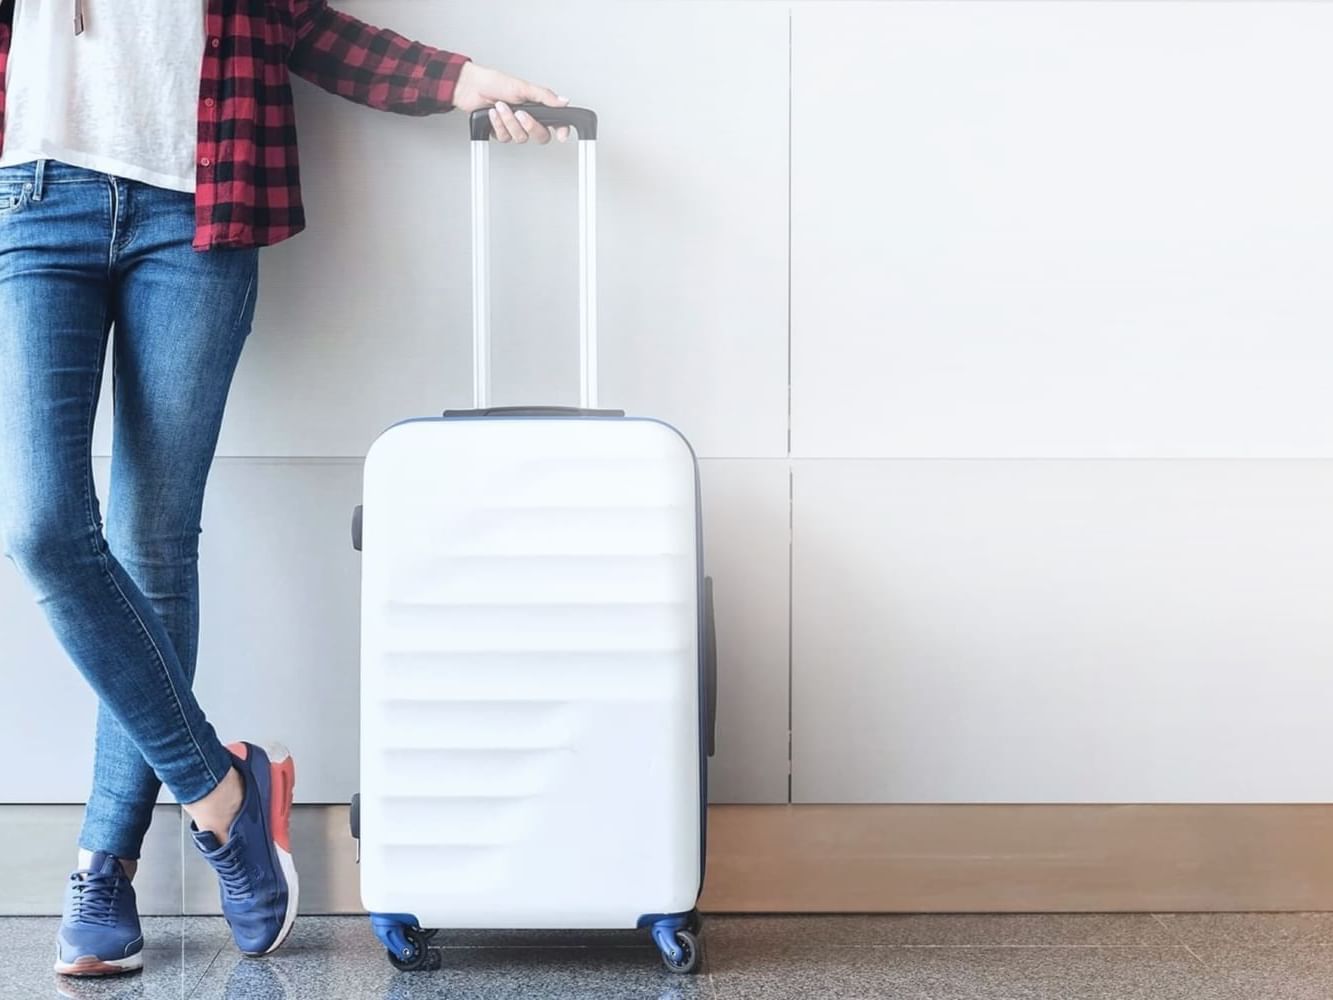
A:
x: 961, y: 859
x: 830, y: 859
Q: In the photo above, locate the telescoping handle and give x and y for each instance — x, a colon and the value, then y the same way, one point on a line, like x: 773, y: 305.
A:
x: 585, y: 123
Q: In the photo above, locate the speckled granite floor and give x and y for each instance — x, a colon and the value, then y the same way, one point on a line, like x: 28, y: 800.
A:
x: 1072, y: 957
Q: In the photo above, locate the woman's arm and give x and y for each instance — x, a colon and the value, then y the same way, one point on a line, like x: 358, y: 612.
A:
x: 383, y: 70
x: 372, y: 66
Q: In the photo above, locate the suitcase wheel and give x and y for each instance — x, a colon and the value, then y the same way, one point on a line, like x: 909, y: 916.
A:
x: 678, y: 945
x: 406, y: 944
x: 416, y: 956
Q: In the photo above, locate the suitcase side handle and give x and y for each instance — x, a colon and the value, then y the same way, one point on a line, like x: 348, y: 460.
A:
x: 710, y: 670
x: 581, y: 120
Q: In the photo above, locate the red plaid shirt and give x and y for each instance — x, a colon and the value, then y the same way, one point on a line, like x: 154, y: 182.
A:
x: 248, y: 183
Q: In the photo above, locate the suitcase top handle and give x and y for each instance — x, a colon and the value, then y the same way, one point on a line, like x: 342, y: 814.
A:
x: 582, y: 120
x: 586, y: 123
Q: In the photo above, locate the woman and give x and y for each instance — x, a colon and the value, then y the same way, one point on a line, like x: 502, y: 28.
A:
x: 144, y: 159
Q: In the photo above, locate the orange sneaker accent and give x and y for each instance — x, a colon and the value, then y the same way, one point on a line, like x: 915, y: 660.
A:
x: 280, y: 817
x: 241, y: 750
x: 89, y: 965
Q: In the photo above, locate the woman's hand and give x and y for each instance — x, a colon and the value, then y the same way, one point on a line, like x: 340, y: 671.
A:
x: 482, y: 87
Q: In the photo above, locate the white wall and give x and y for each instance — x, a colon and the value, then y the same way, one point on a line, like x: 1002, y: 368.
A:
x: 1060, y: 415
x: 1051, y: 497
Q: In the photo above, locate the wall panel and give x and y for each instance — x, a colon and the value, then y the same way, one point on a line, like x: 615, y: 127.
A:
x: 1062, y: 631
x: 1083, y: 229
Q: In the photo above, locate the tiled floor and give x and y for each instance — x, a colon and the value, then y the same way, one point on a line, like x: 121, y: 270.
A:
x: 1072, y: 957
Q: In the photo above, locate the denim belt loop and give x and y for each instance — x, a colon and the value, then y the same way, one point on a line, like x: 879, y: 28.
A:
x: 39, y: 180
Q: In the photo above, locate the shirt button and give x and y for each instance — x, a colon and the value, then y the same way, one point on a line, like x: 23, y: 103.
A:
x: 208, y: 102
x: 205, y: 162
x: 215, y: 42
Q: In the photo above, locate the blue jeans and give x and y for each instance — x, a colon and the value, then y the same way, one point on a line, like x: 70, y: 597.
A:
x: 80, y: 252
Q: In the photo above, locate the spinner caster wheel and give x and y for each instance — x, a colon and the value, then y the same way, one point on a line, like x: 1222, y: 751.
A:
x: 416, y: 955
x: 684, y: 958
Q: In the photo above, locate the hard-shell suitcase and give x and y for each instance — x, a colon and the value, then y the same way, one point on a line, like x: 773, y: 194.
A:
x: 538, y: 658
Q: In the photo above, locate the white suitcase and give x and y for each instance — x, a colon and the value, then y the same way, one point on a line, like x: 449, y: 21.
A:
x: 537, y: 655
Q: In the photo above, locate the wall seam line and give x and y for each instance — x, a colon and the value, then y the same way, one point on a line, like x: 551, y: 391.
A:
x: 791, y: 473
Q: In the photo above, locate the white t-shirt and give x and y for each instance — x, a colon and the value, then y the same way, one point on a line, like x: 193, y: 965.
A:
x: 121, y: 98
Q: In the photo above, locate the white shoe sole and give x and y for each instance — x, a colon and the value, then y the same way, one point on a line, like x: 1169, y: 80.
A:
x: 278, y: 754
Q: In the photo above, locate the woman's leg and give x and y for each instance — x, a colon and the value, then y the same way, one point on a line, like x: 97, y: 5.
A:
x: 54, y: 313
x: 57, y: 228
x: 76, y: 248
x: 181, y: 319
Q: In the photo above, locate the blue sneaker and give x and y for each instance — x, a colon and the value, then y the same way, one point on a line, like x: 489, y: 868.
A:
x: 255, y: 871
x: 99, y: 930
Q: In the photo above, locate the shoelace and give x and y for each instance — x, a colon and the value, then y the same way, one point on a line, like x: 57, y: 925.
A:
x: 233, y: 872
x: 78, y: 17
x: 95, y: 897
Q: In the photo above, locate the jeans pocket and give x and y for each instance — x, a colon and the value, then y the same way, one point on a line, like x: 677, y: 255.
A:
x: 14, y: 198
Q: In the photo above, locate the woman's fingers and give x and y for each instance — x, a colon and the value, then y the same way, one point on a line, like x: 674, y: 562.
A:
x: 535, y: 129
x: 509, y: 122
x: 512, y: 126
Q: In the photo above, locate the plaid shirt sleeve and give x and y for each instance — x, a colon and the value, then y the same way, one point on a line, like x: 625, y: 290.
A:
x: 369, y: 65
x: 6, y: 20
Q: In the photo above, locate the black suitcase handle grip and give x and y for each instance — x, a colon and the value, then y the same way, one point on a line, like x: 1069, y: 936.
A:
x: 582, y: 120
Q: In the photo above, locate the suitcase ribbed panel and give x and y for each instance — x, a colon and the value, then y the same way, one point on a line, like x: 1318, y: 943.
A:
x: 530, y: 713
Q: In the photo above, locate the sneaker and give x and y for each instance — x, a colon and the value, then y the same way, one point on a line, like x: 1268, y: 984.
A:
x: 255, y: 871
x: 99, y: 930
